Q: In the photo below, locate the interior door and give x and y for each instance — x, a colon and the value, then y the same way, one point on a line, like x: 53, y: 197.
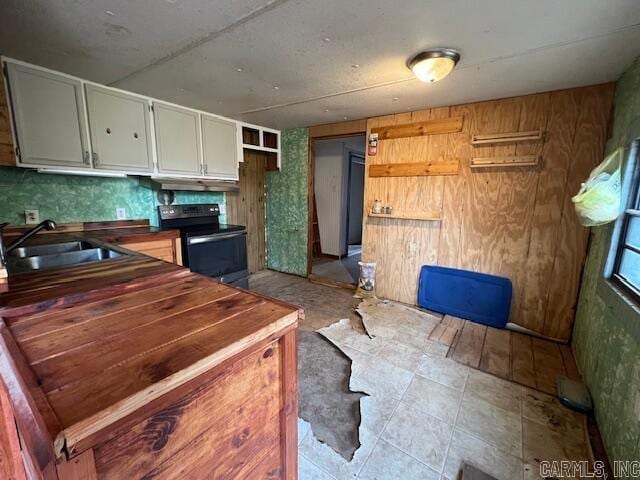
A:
x: 220, y: 148
x: 177, y: 139
x: 119, y: 126
x: 48, y: 110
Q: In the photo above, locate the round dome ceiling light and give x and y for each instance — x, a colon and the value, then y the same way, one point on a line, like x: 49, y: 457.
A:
x: 433, y: 65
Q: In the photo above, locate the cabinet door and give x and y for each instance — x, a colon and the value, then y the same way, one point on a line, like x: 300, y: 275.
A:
x: 177, y: 139
x: 220, y: 148
x: 49, y: 117
x: 119, y: 126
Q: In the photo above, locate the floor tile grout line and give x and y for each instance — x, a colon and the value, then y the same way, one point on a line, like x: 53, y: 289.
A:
x: 317, y: 466
x: 455, y: 422
x: 412, y: 456
x: 379, y: 436
x: 444, y: 461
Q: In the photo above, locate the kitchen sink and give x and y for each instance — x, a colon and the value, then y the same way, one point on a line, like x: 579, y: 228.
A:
x: 51, y: 249
x: 40, y: 257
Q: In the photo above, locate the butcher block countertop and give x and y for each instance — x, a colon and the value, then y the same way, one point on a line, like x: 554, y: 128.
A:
x: 117, y: 232
x: 85, y: 347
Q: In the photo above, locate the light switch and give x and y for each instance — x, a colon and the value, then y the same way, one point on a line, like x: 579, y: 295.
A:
x: 121, y: 213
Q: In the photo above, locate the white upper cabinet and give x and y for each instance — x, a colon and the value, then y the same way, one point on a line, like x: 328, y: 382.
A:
x: 49, y: 117
x: 73, y: 125
x: 177, y: 140
x: 220, y: 148
x: 120, y: 130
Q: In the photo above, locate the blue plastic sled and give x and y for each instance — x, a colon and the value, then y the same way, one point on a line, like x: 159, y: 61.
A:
x: 473, y: 296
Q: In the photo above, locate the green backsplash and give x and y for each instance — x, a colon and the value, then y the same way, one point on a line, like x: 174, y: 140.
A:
x: 287, y: 206
x: 75, y: 198
x: 606, y: 347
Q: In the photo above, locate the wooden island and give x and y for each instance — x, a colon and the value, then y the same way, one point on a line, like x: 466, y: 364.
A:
x: 137, y: 368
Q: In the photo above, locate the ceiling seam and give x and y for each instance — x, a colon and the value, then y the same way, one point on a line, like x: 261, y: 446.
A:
x: 202, y: 40
x: 462, y: 67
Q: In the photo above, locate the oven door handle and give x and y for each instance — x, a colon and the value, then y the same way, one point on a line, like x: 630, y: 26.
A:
x: 213, y: 238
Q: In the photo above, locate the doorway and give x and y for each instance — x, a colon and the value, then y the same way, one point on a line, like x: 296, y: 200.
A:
x: 338, y: 196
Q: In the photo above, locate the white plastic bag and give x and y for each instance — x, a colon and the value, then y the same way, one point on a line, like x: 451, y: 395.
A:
x: 598, y: 201
x: 367, y: 281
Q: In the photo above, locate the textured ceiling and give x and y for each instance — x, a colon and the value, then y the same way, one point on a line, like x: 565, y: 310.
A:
x: 189, y: 51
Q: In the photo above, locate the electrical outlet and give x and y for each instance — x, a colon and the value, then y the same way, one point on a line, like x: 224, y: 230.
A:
x: 31, y: 217
x: 121, y: 213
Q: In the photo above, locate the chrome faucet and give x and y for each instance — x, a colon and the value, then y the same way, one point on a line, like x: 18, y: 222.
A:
x: 4, y: 250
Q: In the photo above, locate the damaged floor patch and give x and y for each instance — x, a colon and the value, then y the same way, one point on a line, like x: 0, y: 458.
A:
x: 325, y: 399
x: 426, y: 415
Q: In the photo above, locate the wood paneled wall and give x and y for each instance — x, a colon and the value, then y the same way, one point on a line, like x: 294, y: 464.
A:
x: 7, y: 157
x: 247, y: 207
x: 517, y: 222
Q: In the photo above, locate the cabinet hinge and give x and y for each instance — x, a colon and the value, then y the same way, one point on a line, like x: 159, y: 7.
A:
x: 94, y: 156
x: 18, y: 153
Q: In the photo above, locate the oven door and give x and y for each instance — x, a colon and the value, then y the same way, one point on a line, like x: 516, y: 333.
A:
x: 217, y: 255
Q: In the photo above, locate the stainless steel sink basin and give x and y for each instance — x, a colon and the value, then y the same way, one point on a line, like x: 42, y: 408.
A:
x: 54, y: 248
x: 39, y: 257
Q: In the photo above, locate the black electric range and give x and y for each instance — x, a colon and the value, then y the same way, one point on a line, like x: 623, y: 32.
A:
x: 209, y: 247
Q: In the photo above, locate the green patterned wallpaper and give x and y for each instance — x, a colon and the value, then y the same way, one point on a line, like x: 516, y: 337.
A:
x: 605, y: 338
x: 287, y: 206
x: 71, y: 198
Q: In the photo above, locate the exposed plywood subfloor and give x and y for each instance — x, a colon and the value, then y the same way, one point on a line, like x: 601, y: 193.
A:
x: 323, y: 305
x: 530, y: 361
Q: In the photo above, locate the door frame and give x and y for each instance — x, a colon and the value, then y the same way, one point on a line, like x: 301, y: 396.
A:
x: 328, y: 131
x: 352, y: 155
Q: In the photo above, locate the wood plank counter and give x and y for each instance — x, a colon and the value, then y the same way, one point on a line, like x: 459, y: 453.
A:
x: 134, y: 367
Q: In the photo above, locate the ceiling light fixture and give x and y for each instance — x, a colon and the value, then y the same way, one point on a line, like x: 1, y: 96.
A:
x: 433, y: 65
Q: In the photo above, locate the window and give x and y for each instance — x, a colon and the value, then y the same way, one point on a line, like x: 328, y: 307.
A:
x: 626, y: 266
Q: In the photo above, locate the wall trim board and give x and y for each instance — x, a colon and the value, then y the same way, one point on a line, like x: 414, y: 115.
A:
x: 417, y: 129
x: 514, y: 222
x: 339, y: 129
x: 414, y: 169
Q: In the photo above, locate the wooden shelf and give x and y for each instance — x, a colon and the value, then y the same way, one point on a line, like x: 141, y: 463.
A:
x: 511, y: 137
x: 505, y: 162
x: 425, y: 217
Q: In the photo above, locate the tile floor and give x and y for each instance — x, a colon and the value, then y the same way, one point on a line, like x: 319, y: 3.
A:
x: 427, y: 414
